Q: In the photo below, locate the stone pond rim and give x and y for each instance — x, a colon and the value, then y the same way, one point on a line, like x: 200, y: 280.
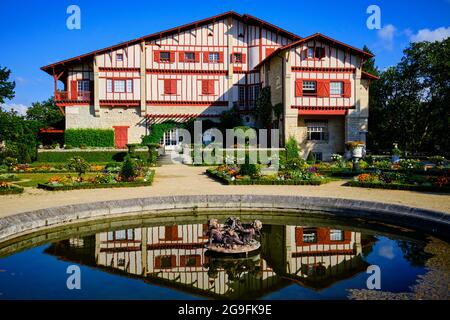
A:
x: 429, y: 221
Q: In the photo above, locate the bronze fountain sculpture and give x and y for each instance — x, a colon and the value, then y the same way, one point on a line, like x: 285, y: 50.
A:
x: 233, y: 237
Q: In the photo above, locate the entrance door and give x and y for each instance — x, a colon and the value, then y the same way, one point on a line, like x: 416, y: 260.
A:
x: 170, y: 139
x: 121, y: 136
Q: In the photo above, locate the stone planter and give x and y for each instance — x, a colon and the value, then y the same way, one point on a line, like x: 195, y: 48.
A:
x: 357, y: 152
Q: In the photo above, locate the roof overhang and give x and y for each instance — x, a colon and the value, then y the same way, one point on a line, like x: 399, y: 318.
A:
x: 57, y: 66
x: 318, y: 37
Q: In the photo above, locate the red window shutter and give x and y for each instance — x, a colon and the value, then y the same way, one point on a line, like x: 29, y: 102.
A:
x: 347, y: 235
x: 173, y: 86
x: 244, y: 58
x: 156, y: 56
x: 233, y: 58
x: 167, y: 86
x: 323, y: 235
x: 181, y: 56
x: 171, y: 233
x: 73, y: 89
x: 211, y: 87
x: 172, y: 56
x: 298, y: 88
x: 205, y: 56
x: 220, y: 57
x: 197, y: 57
x: 298, y: 236
x: 157, y: 264
x: 323, y: 88
x: 204, y: 86
x: 347, y: 89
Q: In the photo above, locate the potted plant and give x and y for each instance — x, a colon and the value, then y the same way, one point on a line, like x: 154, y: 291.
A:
x: 356, y: 148
x: 395, y: 154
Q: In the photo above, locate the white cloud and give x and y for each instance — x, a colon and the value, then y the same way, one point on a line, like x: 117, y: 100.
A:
x: 386, y: 35
x: 438, y: 34
x: 20, y: 108
x: 387, y: 252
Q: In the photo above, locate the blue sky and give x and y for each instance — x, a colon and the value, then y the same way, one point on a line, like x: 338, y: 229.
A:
x: 34, y: 33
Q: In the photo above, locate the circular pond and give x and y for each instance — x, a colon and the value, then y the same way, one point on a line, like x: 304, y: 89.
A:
x: 163, y: 257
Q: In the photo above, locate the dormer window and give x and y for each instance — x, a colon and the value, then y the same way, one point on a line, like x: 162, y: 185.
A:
x: 315, y: 53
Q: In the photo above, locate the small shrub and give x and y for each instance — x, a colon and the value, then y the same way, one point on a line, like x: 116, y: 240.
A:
x: 127, y: 172
x: 249, y: 169
x: 79, y: 165
x: 310, y: 158
x: 292, y: 149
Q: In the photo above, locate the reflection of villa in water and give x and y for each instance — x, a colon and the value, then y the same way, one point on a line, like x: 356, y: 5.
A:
x: 174, y: 256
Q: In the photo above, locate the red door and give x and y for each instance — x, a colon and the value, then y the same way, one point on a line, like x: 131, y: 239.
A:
x: 121, y: 136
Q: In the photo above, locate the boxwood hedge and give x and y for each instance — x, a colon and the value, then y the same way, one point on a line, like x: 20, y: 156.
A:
x: 89, y: 137
x: 90, y: 156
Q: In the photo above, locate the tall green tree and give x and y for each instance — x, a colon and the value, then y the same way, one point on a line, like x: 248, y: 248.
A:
x: 409, y: 104
x: 46, y: 113
x: 6, y: 86
x: 264, y: 108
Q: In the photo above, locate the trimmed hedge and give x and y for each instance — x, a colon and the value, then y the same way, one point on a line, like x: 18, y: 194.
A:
x: 397, y: 186
x: 89, y: 137
x: 12, y: 190
x: 90, y: 156
x: 224, y: 180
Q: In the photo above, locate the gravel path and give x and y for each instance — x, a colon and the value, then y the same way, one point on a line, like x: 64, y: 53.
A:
x: 186, y: 180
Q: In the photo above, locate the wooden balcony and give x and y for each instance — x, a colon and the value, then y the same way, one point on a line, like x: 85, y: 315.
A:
x: 79, y: 96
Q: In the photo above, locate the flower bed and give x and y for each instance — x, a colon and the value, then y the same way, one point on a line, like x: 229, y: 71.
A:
x: 104, y: 180
x: 8, y: 188
x: 401, y: 181
x: 230, y: 175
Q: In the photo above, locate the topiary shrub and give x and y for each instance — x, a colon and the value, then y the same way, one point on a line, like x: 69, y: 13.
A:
x: 127, y: 172
x: 249, y: 169
x: 310, y: 158
x: 89, y: 137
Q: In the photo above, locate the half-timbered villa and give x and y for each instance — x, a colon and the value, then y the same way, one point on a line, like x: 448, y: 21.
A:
x: 203, y: 68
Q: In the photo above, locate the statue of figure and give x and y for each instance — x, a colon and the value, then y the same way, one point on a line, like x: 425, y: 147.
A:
x: 233, y: 232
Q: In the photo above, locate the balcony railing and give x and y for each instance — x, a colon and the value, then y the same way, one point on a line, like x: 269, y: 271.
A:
x: 73, y: 96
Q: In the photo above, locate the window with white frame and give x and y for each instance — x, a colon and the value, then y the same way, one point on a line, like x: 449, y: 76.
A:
x: 129, y: 86
x: 237, y: 57
x: 310, y: 52
x: 119, y: 85
x: 336, y: 88
x: 309, y: 87
x: 309, y: 236
x: 83, y: 85
x: 336, y: 235
x: 109, y: 85
x: 119, y: 57
x: 213, y: 57
x: 317, y: 130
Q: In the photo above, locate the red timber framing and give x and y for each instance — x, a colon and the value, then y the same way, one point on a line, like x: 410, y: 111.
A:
x: 322, y: 111
x: 179, y: 116
x: 187, y: 103
x: 155, y: 36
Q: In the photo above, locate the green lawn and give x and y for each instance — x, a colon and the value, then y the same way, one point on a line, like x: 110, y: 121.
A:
x: 32, y: 179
